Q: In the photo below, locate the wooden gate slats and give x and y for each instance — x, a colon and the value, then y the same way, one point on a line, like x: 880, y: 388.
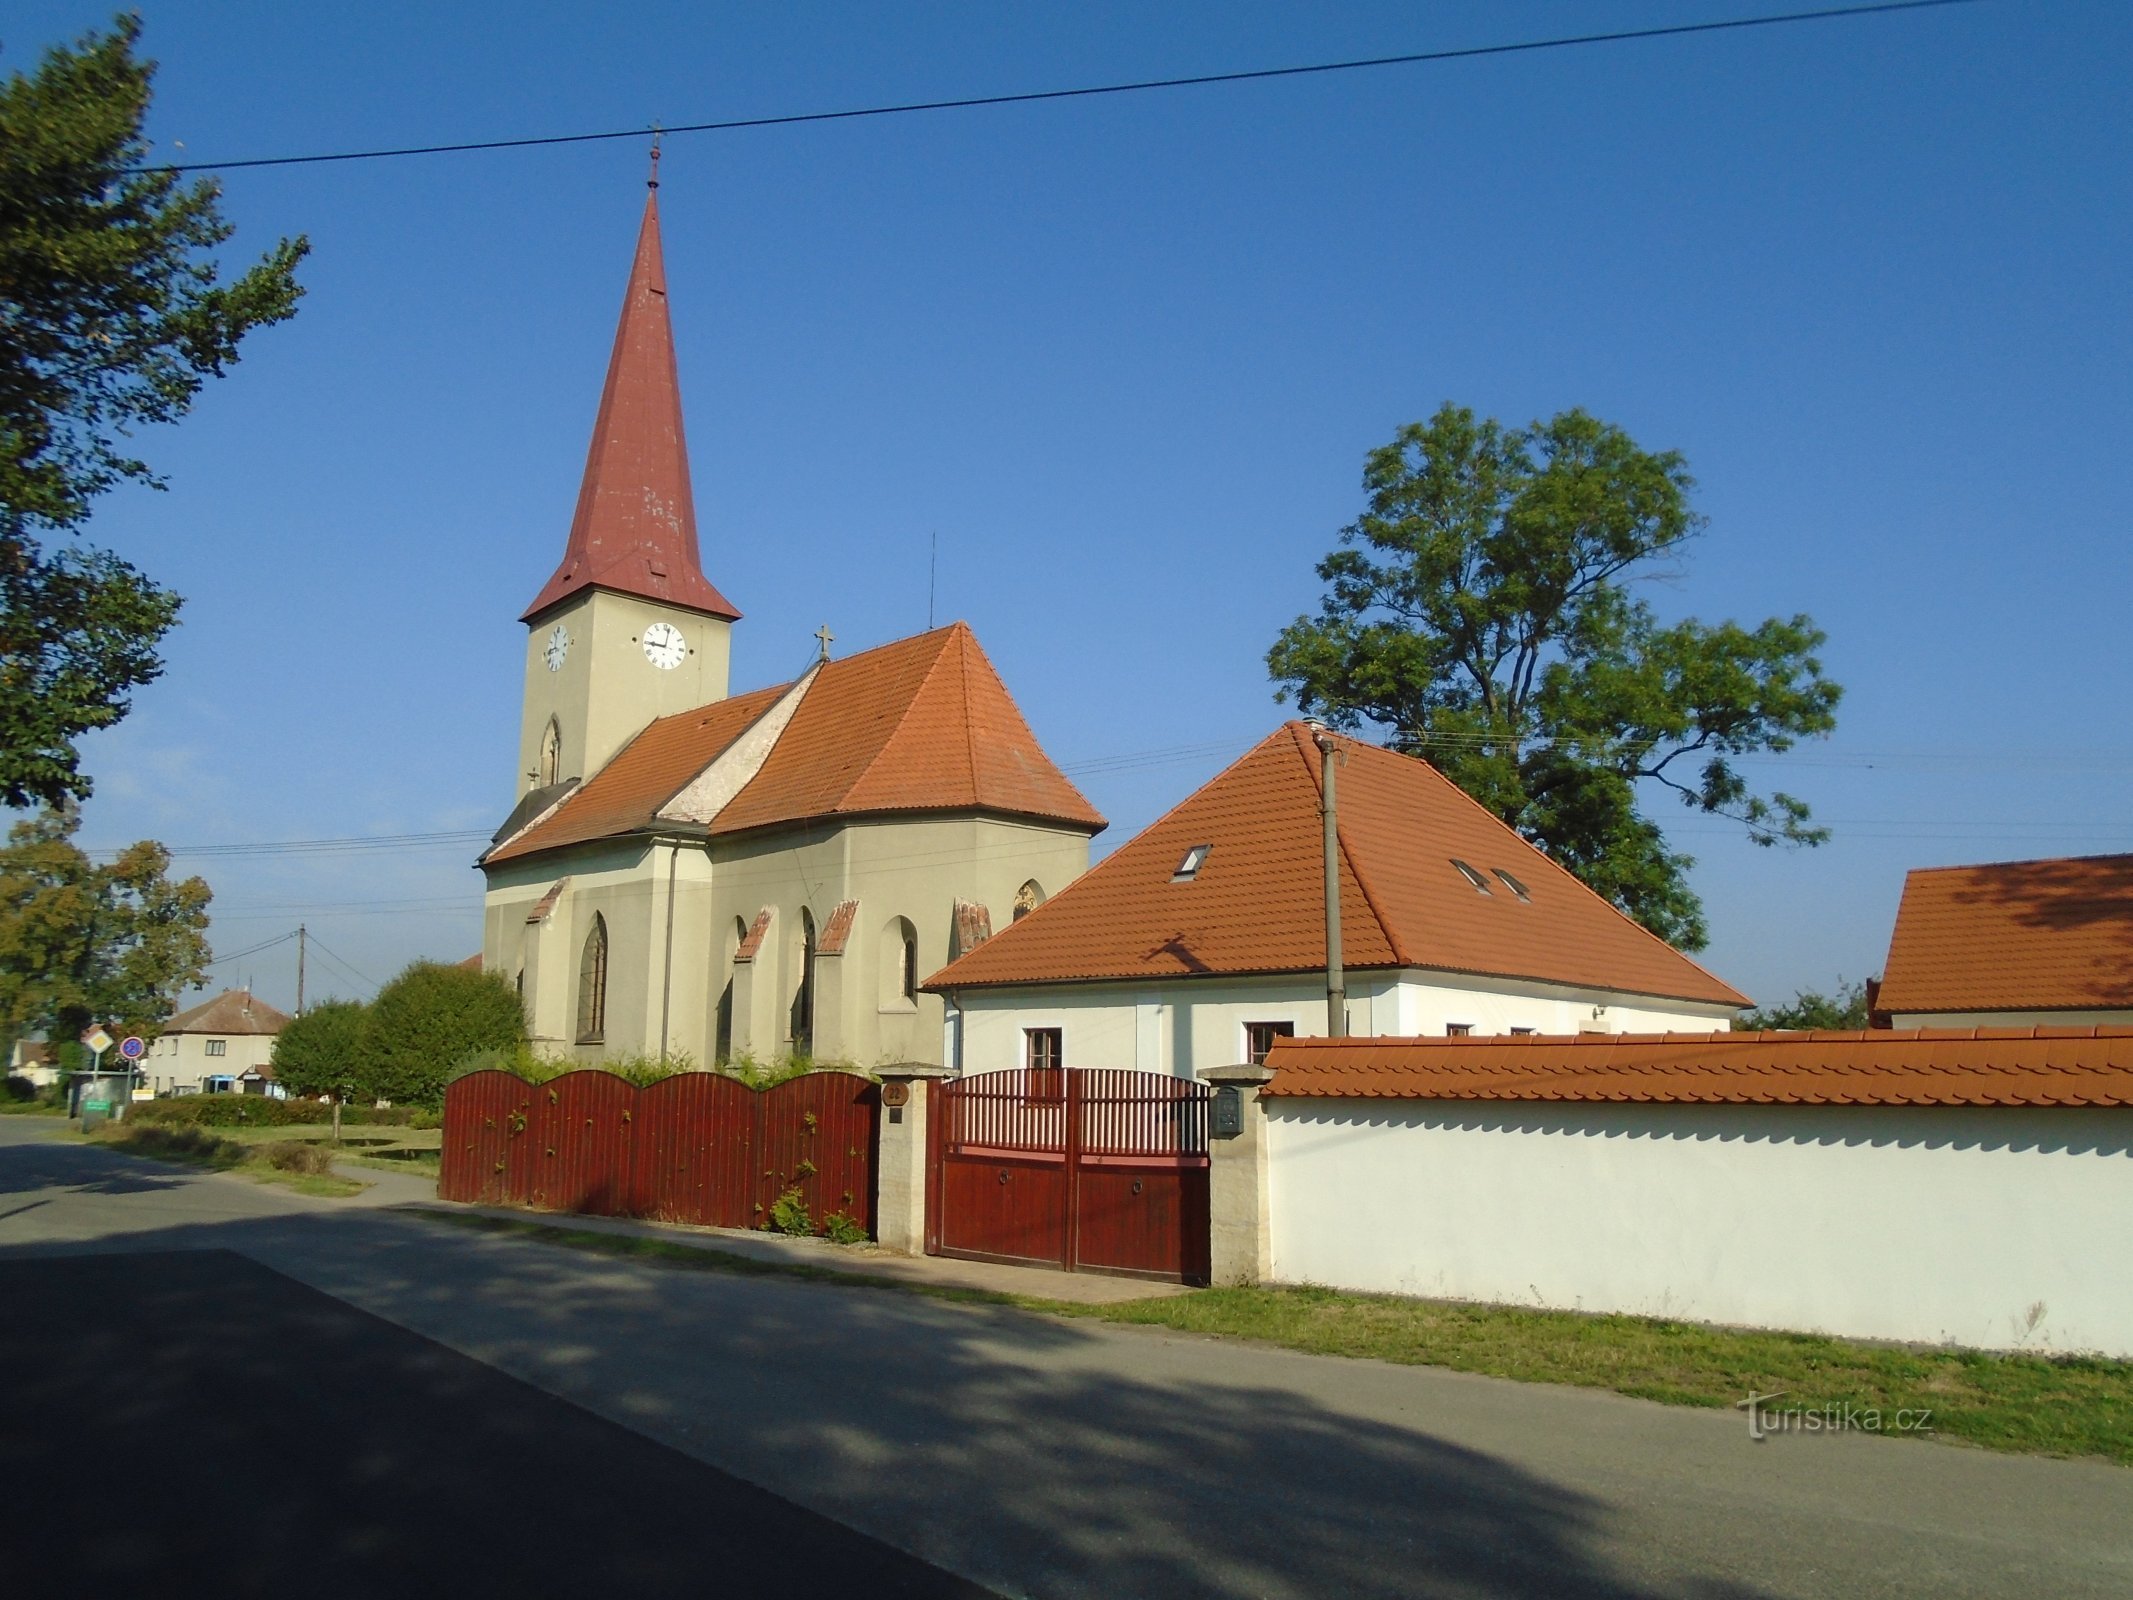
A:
x: 697, y: 1147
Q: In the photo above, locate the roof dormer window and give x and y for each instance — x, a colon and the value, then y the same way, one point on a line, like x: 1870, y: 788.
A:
x: 1189, y: 868
x: 1513, y: 884
x: 1481, y: 884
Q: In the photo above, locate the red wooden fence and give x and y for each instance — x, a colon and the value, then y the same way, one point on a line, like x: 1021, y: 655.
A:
x: 697, y: 1147
x: 1091, y: 1169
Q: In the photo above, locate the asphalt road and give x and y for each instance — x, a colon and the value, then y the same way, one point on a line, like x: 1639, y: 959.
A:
x: 1047, y: 1458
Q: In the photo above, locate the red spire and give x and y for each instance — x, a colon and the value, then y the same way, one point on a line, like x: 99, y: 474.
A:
x: 635, y: 530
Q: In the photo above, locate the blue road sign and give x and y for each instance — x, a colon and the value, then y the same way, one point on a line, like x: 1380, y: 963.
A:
x: 131, y: 1047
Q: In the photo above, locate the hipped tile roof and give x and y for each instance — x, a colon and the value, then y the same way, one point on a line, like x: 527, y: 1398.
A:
x: 1256, y: 905
x: 920, y: 725
x: 1873, y: 1067
x: 233, y: 1012
x: 2014, y: 936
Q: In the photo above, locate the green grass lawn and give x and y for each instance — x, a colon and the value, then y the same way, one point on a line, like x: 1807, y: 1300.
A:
x: 2073, y: 1406
x: 302, y: 1167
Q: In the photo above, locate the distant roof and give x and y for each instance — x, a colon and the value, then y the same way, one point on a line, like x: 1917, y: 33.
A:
x: 635, y: 528
x: 920, y: 725
x: 1254, y: 904
x: 1923, y: 1066
x: 234, y: 1011
x: 2013, y: 936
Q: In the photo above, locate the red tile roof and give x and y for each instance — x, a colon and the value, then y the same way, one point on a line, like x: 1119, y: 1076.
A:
x: 233, y: 1012
x: 921, y: 725
x: 2014, y: 936
x: 1931, y: 1066
x: 635, y: 528
x: 1256, y: 904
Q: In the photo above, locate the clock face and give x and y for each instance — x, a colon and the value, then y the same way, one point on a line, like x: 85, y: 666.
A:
x: 558, y: 648
x: 664, y: 646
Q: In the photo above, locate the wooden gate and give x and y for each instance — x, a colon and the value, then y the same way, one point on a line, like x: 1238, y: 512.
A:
x: 1089, y: 1169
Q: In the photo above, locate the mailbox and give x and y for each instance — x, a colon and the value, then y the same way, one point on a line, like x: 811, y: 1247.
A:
x: 1228, y: 1112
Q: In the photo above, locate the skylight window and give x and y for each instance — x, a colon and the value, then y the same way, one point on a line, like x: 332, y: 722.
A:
x: 1189, y: 868
x: 1481, y: 884
x: 1512, y: 884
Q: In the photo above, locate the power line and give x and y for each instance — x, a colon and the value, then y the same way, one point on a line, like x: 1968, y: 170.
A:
x: 351, y: 971
x: 264, y: 944
x: 1031, y: 97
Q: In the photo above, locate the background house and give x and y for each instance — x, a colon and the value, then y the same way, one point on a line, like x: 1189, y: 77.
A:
x: 221, y: 1046
x: 1202, y: 940
x: 2012, y: 943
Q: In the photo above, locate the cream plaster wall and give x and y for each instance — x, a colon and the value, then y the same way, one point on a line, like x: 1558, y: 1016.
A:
x: 2012, y: 1019
x: 606, y: 691
x: 1913, y: 1223
x: 180, y: 1062
x: 913, y: 869
x: 1182, y: 1025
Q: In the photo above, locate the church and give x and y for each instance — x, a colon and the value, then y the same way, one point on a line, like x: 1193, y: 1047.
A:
x: 688, y: 870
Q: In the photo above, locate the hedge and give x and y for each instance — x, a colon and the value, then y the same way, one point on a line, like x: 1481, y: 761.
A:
x: 263, y: 1111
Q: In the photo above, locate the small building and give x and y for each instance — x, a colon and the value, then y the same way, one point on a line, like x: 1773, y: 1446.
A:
x: 2012, y: 944
x: 1202, y: 940
x: 32, y: 1059
x: 223, y: 1046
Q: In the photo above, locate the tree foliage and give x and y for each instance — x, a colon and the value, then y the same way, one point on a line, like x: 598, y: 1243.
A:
x: 112, y: 315
x: 428, y: 1018
x: 82, y: 943
x: 1479, y: 613
x: 1843, y: 1007
x: 321, y: 1052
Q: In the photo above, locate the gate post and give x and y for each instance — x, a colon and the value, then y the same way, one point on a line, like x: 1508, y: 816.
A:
x: 1240, y: 1244
x: 900, y: 1167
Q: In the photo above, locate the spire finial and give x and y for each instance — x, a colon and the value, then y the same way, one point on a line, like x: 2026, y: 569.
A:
x: 652, y: 179
x: 824, y: 636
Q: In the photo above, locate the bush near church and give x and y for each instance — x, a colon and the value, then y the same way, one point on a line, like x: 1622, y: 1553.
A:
x: 321, y: 1051
x: 428, y: 1018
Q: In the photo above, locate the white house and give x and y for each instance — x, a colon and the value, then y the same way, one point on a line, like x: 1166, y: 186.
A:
x: 1202, y: 940
x: 2012, y: 943
x: 219, y: 1047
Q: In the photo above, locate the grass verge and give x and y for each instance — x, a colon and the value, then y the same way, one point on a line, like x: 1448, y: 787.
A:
x: 2049, y: 1405
x: 306, y: 1168
x: 31, y: 1108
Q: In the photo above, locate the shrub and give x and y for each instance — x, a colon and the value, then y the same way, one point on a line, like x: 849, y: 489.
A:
x: 779, y: 1069
x: 175, y: 1144
x: 524, y: 1061
x: 261, y: 1111
x: 17, y: 1088
x: 841, y: 1229
x: 424, y: 1021
x: 291, y: 1156
x: 320, y: 1052
x: 788, y: 1214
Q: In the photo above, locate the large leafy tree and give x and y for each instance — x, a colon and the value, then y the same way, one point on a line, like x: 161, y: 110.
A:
x: 84, y: 942
x: 1479, y: 614
x: 321, y: 1051
x: 112, y: 315
x: 1844, y: 1007
x: 424, y: 1021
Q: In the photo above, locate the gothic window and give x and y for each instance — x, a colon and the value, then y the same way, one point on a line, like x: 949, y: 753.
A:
x: 803, y: 1000
x: 722, y: 1029
x: 592, y: 985
x: 551, y: 768
x: 1027, y: 899
x: 899, y: 963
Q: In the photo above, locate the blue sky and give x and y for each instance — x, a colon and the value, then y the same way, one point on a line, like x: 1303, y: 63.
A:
x: 1124, y: 358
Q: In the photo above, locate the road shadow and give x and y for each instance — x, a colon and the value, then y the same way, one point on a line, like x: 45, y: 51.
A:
x: 1035, y: 1455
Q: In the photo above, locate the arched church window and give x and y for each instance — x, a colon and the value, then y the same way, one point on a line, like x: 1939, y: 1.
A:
x: 592, y: 984
x: 1027, y: 899
x: 803, y: 1000
x: 551, y: 767
x: 722, y: 1028
x: 899, y: 963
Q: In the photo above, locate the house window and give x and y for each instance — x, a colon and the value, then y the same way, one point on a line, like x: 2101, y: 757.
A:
x: 1189, y: 867
x: 1259, y: 1038
x: 1457, y: 1030
x: 218, y: 1047
x: 1044, y: 1053
x: 592, y: 984
x: 1524, y: 1033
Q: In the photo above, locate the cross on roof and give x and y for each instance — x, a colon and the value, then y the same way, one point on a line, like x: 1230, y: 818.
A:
x: 825, y: 636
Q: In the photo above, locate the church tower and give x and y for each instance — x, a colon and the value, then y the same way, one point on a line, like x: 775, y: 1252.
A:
x: 628, y: 628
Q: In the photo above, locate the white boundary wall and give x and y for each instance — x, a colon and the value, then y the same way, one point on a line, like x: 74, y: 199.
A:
x: 1935, y: 1224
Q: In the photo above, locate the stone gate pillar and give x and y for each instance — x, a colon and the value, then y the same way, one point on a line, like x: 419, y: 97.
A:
x: 1239, y: 1235
x: 900, y: 1162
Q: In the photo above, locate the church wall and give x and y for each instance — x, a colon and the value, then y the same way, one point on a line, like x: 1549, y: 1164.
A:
x: 613, y: 880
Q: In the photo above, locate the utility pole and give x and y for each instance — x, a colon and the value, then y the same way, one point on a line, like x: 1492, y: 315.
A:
x: 299, y: 969
x: 1329, y: 815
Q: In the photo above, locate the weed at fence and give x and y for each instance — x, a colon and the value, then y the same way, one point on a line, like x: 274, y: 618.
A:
x: 841, y: 1229
x: 788, y: 1214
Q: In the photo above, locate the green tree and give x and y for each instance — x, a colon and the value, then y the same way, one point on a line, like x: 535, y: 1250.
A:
x: 82, y: 943
x: 425, y: 1020
x: 1843, y: 1007
x: 112, y: 315
x: 1479, y: 614
x: 321, y: 1052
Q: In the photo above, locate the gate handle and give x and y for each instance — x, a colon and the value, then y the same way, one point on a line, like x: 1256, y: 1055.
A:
x: 1136, y: 1186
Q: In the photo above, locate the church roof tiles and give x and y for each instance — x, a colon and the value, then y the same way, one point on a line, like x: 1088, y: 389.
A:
x: 920, y: 725
x: 1428, y: 879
